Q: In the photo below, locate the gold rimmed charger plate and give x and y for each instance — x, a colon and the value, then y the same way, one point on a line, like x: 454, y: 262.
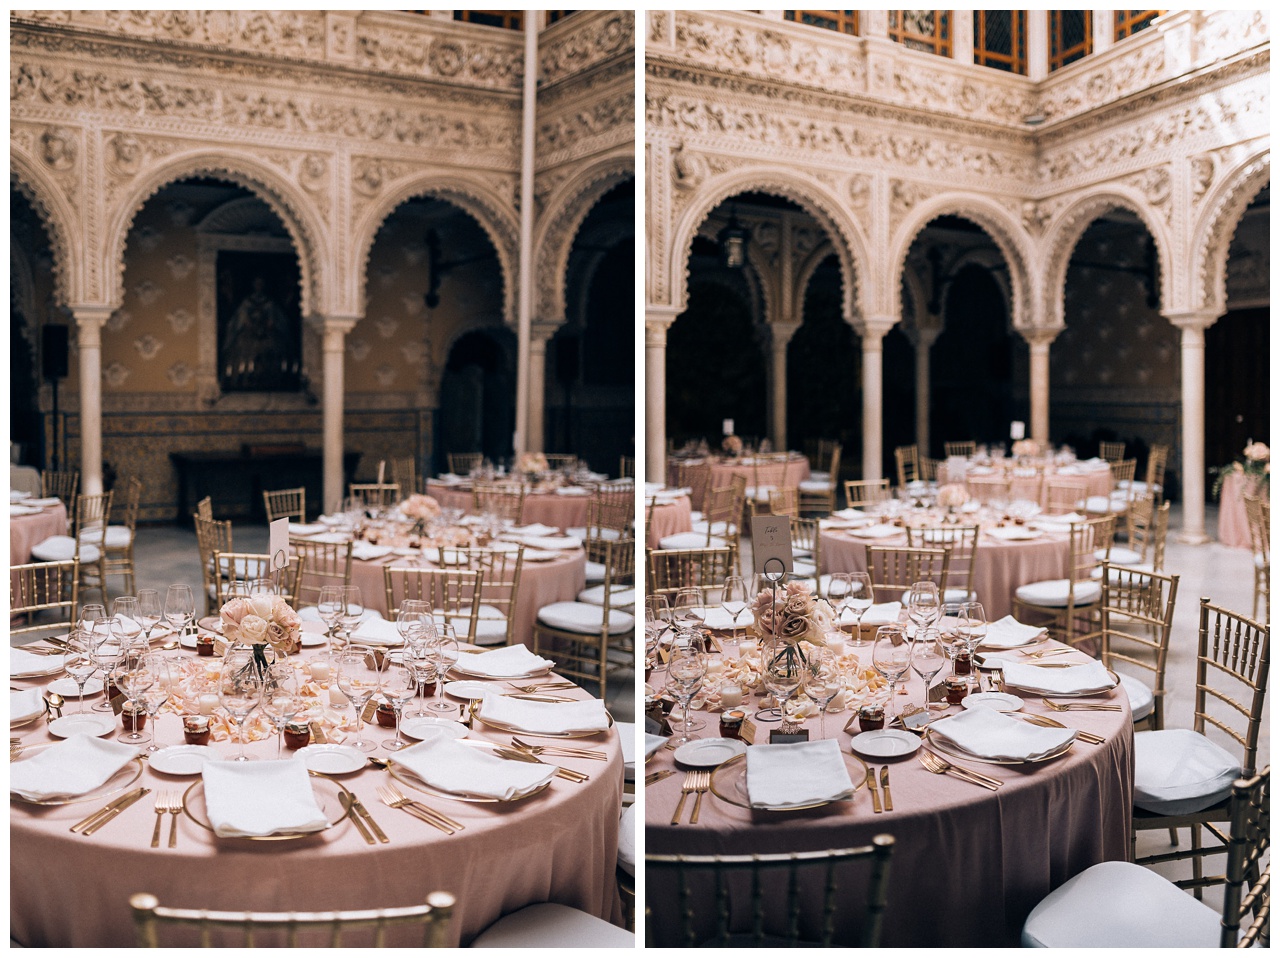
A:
x: 404, y: 775
x: 955, y: 751
x: 460, y: 667
x: 1067, y: 695
x: 506, y: 727
x: 19, y: 723
x: 194, y: 795
x: 116, y: 784
x: 729, y: 784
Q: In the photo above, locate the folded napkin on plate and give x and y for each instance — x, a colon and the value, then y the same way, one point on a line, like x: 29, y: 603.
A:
x: 783, y: 775
x: 886, y: 613
x: 834, y: 523
x: 536, y: 529
x: 717, y: 618
x: 651, y: 488
x: 508, y: 662
x: 367, y: 551
x: 1073, y: 680
x: 22, y: 662
x: 1065, y: 519
x: 450, y: 477
x: 244, y: 799
x: 544, y: 718
x: 881, y: 530
x: 653, y: 742
x: 573, y: 491
x: 377, y: 632
x: 987, y: 733
x: 338, y: 537
x: 540, y: 555
x: 74, y: 767
x: 25, y: 704
x: 49, y: 501
x: 1013, y: 533
x: 17, y: 495
x: 1009, y: 633
x: 552, y: 543
x: 20, y: 510
x: 444, y: 764
x: 849, y: 514
x: 306, y: 528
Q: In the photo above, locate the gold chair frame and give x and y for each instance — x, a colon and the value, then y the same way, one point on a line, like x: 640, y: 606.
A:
x: 461, y: 463
x: 60, y: 484
x: 1134, y: 601
x: 375, y: 495
x: 454, y: 594
x: 36, y: 587
x: 865, y: 492
x: 285, y: 503
x: 501, y: 571
x: 329, y: 563
x: 228, y: 584
x: 907, y: 460
x: 966, y: 450
x: 671, y: 570
x: 118, y: 560
x: 1084, y: 540
x: 894, y: 569
x: 503, y: 499
x: 1111, y: 451
x: 962, y: 541
x: 1258, y: 514
x: 824, y: 503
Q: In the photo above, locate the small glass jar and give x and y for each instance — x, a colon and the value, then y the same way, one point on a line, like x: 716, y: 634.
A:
x: 957, y: 688
x: 964, y: 663
x: 871, y: 717
x: 731, y: 723
x: 204, y: 644
x: 133, y: 717
x: 297, y: 735
x: 386, y: 716
x: 195, y: 729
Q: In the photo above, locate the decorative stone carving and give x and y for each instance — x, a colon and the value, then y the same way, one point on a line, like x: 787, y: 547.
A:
x: 1116, y: 77
x: 58, y: 148
x: 387, y: 326
x: 1034, y: 217
x: 1202, y: 170
x: 119, y: 320
x: 594, y: 40
x: 860, y: 193
x: 180, y: 266
x: 314, y: 173
x: 688, y: 169
x: 116, y: 374
x: 180, y: 374
x: 126, y: 154
x: 1157, y: 186
x: 358, y: 349
x: 181, y: 320
x: 147, y: 346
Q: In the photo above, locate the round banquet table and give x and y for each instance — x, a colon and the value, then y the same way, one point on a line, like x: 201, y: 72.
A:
x: 1233, y: 525
x: 560, y: 509
x: 723, y: 470
x: 968, y: 864
x: 1092, y: 476
x: 999, y: 566
x: 667, y: 517
x: 560, y: 845
x: 26, y: 532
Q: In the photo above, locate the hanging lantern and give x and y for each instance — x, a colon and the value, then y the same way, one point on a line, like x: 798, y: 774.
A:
x: 733, y: 243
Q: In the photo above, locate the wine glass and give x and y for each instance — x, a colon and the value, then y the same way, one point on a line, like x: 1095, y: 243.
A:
x: 924, y: 604
x: 399, y: 686
x: 79, y: 662
x: 124, y: 622
x: 688, y: 609
x: 359, y: 678
x: 240, y: 689
x: 91, y: 613
x: 860, y: 599
x: 330, y: 607
x: 420, y: 661
x: 839, y: 589
x: 657, y: 620
x: 783, y: 674
x: 971, y: 629
x: 445, y: 649
x: 263, y: 587
x: 823, y: 681
x: 891, y: 657
x: 927, y: 659
x: 134, y: 680
x: 156, y: 693
x: 149, y: 611
x: 179, y: 608
x: 685, y: 671
x: 107, y: 653
x: 352, y: 610
x: 735, y: 600
x: 281, y: 700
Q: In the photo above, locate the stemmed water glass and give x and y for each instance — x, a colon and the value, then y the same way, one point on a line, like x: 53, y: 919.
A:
x: 822, y: 682
x: 124, y: 622
x: 924, y: 604
x: 330, y: 607
x: 156, y: 693
x: 927, y: 660
x: 891, y: 657
x: 352, y: 610
x: 688, y: 609
x: 735, y: 600
x: 399, y: 686
x: 685, y: 671
x: 839, y: 589
x: 179, y: 608
x: 420, y: 662
x: 79, y: 661
x: 445, y: 649
x: 971, y: 629
x: 860, y: 600
x: 239, y: 689
x: 149, y: 611
x: 657, y: 620
x: 134, y: 679
x: 359, y: 677
x: 107, y: 653
x: 783, y: 674
x: 281, y: 700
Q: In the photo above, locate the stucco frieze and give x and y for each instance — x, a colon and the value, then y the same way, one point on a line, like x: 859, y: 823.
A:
x: 593, y: 126
x: 587, y: 40
x: 1087, y: 89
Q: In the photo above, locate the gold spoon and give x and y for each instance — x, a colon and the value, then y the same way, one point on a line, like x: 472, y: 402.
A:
x: 169, y: 646
x: 55, y: 702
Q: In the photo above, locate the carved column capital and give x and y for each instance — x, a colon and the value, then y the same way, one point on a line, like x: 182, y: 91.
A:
x: 782, y: 333
x: 1193, y: 322
x: 656, y: 324
x: 873, y: 330
x: 1039, y: 338
x: 89, y: 323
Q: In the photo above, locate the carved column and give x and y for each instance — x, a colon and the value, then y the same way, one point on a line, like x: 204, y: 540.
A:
x: 334, y: 330
x: 538, y: 386
x: 782, y: 333
x: 1193, y: 324
x: 89, y: 321
x: 923, y: 340
x: 656, y: 323
x: 1038, y: 340
x: 873, y: 330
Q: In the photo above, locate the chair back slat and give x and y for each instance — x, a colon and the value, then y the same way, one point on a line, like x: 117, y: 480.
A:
x: 1232, y: 667
x: 1135, y: 618
x: 285, y: 503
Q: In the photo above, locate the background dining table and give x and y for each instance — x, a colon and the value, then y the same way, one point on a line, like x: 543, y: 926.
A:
x: 1233, y: 525
x: 968, y: 864
x: 724, y: 468
x: 559, y: 845
x: 26, y: 532
x: 563, y: 509
x: 666, y: 514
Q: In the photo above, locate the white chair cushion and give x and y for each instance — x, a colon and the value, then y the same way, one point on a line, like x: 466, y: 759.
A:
x: 803, y: 567
x: 62, y: 548
x: 1120, y: 905
x: 1053, y: 592
x: 818, y: 475
x: 1117, y: 576
x: 760, y: 494
x: 577, y: 532
x: 581, y: 617
x: 692, y: 540
x: 695, y: 516
x: 1261, y: 562
x: 958, y: 595
x: 118, y: 537
x: 816, y: 485
x: 551, y: 925
x: 491, y: 624
x: 627, y: 840
x: 624, y: 597
x: 1141, y: 699
x: 1119, y: 556
x: 596, y: 571
x: 1099, y: 504
x: 717, y: 528
x: 1178, y: 771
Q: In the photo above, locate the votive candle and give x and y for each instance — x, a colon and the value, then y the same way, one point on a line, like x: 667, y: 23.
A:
x: 730, y: 696
x: 208, y: 703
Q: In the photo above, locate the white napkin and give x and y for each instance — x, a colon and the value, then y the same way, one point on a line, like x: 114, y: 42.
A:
x: 25, y: 704
x: 260, y: 798
x: 541, y: 555
x: 1065, y: 519
x: 885, y: 613
x: 450, y: 478
x: 28, y: 663
x: 545, y: 718
x: 834, y: 523
x: 849, y: 514
x: 17, y: 495
x: 367, y: 551
x: 652, y: 743
x: 444, y: 764
x: 20, y: 510
x: 306, y: 528
x: 718, y: 618
x: 338, y: 537
x: 1074, y: 679
x: 1013, y: 533
x: 552, y: 543
x: 650, y: 488
x: 74, y: 767
x: 507, y: 662
x: 44, y: 503
x: 377, y: 632
x: 782, y: 775
x: 572, y: 491
x: 1009, y: 633
x: 536, y: 529
x: 881, y: 530
x: 991, y: 734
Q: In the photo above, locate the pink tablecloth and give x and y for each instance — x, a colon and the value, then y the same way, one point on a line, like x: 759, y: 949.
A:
x: 1233, y: 525
x: 25, y: 532
x: 668, y: 519
x: 981, y: 860
x: 999, y: 566
x: 561, y: 845
x: 550, y: 509
x: 723, y: 471
x: 1093, y: 480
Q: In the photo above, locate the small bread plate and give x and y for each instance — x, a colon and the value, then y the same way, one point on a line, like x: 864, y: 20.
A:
x: 467, y: 689
x: 125, y: 776
x: 955, y: 751
x: 729, y: 784
x: 329, y: 796
x: 1000, y: 701
x: 428, y: 727
x: 709, y: 752
x: 331, y: 759
x: 83, y: 723
x: 885, y: 743
x: 68, y: 689
x: 402, y: 774
x: 182, y: 759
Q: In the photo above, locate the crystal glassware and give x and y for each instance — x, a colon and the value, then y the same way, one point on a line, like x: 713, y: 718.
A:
x: 359, y: 677
x: 445, y: 649
x: 135, y: 679
x: 156, y: 694
x: 891, y: 657
x: 823, y: 681
x: 125, y: 625
x: 399, y: 686
x: 281, y: 700
x: 150, y: 611
x: 79, y: 661
x: 685, y: 671
x: 928, y: 656
x: 239, y: 689
x: 179, y: 608
x: 860, y: 600
x: 329, y: 606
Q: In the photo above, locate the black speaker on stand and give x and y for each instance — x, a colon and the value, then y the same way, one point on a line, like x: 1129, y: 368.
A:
x: 54, y: 356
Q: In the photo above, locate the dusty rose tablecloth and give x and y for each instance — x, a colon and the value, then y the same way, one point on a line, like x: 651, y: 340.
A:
x: 550, y: 509
x: 968, y: 864
x: 668, y: 519
x: 999, y: 566
x: 25, y: 532
x: 1233, y: 525
x: 1093, y: 479
x: 561, y: 846
x: 723, y: 471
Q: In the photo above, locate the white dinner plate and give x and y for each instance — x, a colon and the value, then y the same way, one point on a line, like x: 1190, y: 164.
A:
x: 1000, y: 701
x: 331, y: 759
x: 68, y: 689
x: 312, y: 639
x: 424, y: 728
x: 467, y: 690
x: 885, y: 743
x: 188, y: 641
x: 539, y: 555
x: 709, y: 752
x: 182, y: 759
x: 87, y: 723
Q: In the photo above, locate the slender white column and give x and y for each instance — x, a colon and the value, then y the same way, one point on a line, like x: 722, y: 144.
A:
x: 524, y: 303
x: 335, y: 344
x: 89, y: 322
x: 923, y: 341
x: 873, y: 330
x: 1193, y: 326
x: 656, y: 322
x: 782, y: 334
x: 537, y: 394
x: 1039, y: 340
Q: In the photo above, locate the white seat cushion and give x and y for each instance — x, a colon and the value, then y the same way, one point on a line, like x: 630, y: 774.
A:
x: 596, y: 571
x: 759, y: 494
x: 491, y: 624
x: 627, y: 840
x: 577, y: 532
x: 1098, y: 504
x: 1053, y: 592
x: 803, y: 567
x: 692, y: 540
x: 581, y: 617
x: 118, y: 537
x: 624, y: 596
x: 1120, y: 905
x: 1141, y: 699
x: 816, y: 485
x: 959, y: 595
x: 1178, y: 771
x: 719, y: 528
x: 1119, y: 556
x: 62, y: 548
x: 551, y: 925
x: 818, y: 475
x: 1117, y: 576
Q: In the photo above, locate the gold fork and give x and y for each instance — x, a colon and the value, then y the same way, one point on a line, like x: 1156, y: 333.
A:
x: 703, y: 783
x: 408, y: 806
x: 940, y: 766
x: 398, y: 795
x: 175, y: 807
x: 1043, y: 652
x: 565, y: 750
x: 690, y: 784
x: 1081, y: 707
x: 162, y: 806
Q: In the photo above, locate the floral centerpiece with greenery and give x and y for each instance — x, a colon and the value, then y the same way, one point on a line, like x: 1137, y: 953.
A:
x: 531, y: 463
x: 1255, y: 463
x: 732, y: 446
x: 260, y: 621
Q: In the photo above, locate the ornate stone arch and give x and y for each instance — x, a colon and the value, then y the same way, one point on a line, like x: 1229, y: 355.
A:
x: 804, y: 273
x: 488, y: 208
x: 814, y: 197
x: 993, y: 263
x: 1211, y: 240
x: 299, y: 217
x: 553, y: 238
x: 59, y: 220
x: 998, y: 223
x: 1065, y: 230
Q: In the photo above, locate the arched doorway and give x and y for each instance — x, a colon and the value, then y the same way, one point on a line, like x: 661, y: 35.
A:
x: 33, y: 354
x: 477, y: 397
x: 824, y: 368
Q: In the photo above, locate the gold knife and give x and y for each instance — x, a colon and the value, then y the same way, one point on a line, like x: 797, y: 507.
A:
x: 88, y: 820
x: 364, y: 813
x: 658, y: 776
x: 875, y: 796
x: 115, y: 811
x: 884, y: 783
x: 355, y: 819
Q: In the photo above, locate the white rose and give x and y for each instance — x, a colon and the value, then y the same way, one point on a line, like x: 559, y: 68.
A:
x: 253, y: 629
x: 261, y: 605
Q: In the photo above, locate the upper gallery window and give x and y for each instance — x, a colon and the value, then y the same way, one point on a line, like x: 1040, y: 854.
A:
x: 555, y: 16
x: 507, y: 19
x: 841, y: 21
x: 927, y: 30
x: 1129, y: 22
x: 1000, y: 40
x: 1070, y: 36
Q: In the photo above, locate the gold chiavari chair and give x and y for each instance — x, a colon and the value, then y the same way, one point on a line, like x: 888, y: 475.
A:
x: 1148, y: 527
x: 784, y: 502
x: 116, y: 541
x: 1064, y: 605
x: 966, y: 450
x: 806, y: 553
x: 1122, y: 495
x: 770, y: 916
x: 39, y: 587
x: 454, y: 594
x: 1111, y: 451
x: 768, y: 472
x: 721, y: 524
x: 818, y: 492
x: 285, y: 504
x: 300, y: 929
x: 693, y: 476
x: 404, y: 473
x: 894, y: 569
x: 505, y: 500
x: 1026, y: 482
x: 213, y: 536
x: 865, y: 492
x: 60, y: 484
x: 671, y: 570
x: 1135, y: 619
x: 1258, y: 514
x: 461, y: 463
x: 929, y: 469
x: 204, y: 508
x: 327, y: 563
x: 1062, y: 496
x: 627, y: 467
x: 1157, y: 460
x: 963, y: 543
x: 907, y: 459
x: 91, y: 516
x: 233, y: 571
x: 990, y: 488
x: 495, y: 623
x: 375, y: 495
x: 1232, y: 663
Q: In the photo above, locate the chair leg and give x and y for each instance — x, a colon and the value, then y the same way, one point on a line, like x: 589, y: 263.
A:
x: 1197, y: 862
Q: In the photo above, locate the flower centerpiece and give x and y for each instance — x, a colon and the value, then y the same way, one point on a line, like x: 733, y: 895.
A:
x: 1026, y: 448
x: 531, y: 463
x: 260, y: 621
x: 952, y: 496
x: 418, y: 506
x: 1255, y: 464
x: 732, y: 446
x: 792, y: 615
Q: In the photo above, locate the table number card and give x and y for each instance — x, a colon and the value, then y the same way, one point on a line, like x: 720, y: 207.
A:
x: 771, y: 545
x: 279, y: 548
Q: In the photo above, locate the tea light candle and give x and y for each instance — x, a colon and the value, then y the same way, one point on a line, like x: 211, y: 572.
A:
x: 715, y: 665
x: 208, y: 703
x: 837, y: 703
x: 836, y: 642
x: 730, y: 696
x: 320, y: 671
x: 1017, y: 430
x: 336, y: 698
x: 748, y: 647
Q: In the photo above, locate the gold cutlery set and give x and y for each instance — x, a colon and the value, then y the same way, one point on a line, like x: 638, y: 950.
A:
x: 91, y: 823
x: 166, y: 803
x: 940, y: 766
x: 394, y: 798
x: 875, y: 795
x: 694, y: 782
